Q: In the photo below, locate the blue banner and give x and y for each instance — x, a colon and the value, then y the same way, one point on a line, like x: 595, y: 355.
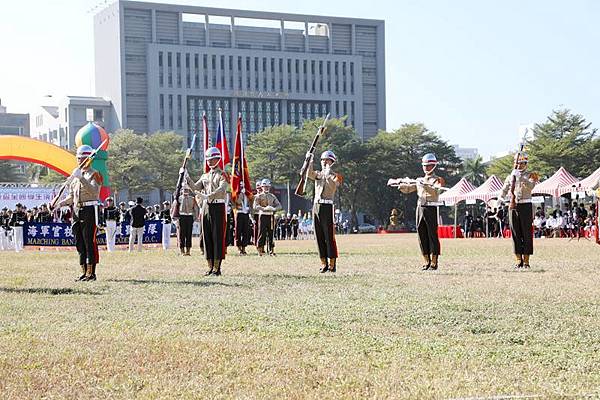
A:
x: 58, y: 234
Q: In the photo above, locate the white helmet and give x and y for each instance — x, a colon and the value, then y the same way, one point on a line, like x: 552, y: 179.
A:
x: 328, y: 155
x: 258, y: 183
x: 429, y: 159
x: 212, y: 153
x: 84, y: 151
x: 265, y: 182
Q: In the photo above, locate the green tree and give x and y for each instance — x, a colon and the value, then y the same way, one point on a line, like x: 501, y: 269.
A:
x: 564, y: 139
x: 165, y: 157
x: 9, y: 172
x: 276, y: 153
x: 474, y: 170
x: 398, y: 154
x: 130, y: 162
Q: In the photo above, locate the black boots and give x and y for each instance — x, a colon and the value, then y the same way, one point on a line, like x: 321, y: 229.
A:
x: 210, y: 268
x: 83, y: 270
x: 88, y: 273
x: 332, y: 264
x: 324, y: 266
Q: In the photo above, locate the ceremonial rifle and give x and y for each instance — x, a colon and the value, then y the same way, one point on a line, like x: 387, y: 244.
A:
x: 408, y: 181
x: 85, y: 162
x: 181, y: 178
x: 304, y: 170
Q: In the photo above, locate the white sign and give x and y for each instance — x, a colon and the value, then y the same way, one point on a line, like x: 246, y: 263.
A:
x: 471, y: 201
x: 537, y: 199
x: 29, y: 197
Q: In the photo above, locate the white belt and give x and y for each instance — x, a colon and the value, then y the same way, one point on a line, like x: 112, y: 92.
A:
x: 525, y: 201
x: 433, y: 203
x: 217, y: 201
x: 265, y: 213
x: 324, y: 201
x: 88, y: 203
x: 242, y: 212
x: 185, y: 213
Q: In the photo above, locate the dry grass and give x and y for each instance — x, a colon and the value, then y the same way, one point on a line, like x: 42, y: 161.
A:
x: 153, y: 328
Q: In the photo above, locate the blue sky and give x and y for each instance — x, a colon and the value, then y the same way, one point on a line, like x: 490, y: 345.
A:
x: 471, y: 70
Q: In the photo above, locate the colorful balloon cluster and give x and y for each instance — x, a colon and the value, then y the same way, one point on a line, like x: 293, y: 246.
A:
x: 93, y: 135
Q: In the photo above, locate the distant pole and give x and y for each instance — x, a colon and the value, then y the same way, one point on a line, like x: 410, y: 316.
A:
x: 289, y: 206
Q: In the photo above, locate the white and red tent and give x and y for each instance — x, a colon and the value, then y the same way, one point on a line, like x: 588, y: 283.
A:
x: 558, y: 184
x: 488, y: 190
x: 456, y: 192
x: 590, y: 183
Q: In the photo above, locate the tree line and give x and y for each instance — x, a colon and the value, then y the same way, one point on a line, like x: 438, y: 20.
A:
x: 142, y: 162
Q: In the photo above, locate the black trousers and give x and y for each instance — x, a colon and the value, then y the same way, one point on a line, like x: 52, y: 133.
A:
x: 427, y: 228
x: 242, y: 229
x: 325, y: 230
x: 521, y: 219
x: 265, y: 231
x: 214, y: 232
x: 84, y: 230
x: 186, y: 224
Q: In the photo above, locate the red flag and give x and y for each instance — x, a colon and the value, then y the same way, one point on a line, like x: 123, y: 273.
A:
x: 240, y: 178
x: 221, y: 143
x: 205, y: 141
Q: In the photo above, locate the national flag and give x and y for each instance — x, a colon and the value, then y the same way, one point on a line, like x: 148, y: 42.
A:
x: 240, y: 178
x: 221, y: 143
x: 205, y: 144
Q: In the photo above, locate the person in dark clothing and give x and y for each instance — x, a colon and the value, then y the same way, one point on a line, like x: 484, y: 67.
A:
x: 138, y: 219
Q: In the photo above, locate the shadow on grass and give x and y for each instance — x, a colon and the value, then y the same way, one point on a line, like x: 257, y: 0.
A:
x: 51, y: 291
x: 206, y: 282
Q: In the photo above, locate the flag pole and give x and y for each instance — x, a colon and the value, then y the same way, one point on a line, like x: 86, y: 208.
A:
x: 241, y: 161
x: 221, y: 135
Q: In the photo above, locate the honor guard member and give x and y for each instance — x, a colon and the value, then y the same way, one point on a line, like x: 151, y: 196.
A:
x: 188, y: 212
x: 428, y: 191
x: 111, y: 216
x: 165, y: 217
x: 138, y: 220
x: 84, y: 191
x: 255, y: 213
x: 326, y: 184
x: 4, y: 219
x: 520, y: 217
x: 265, y: 205
x: 17, y: 220
x: 211, y: 192
x: 242, y: 223
x: 43, y: 216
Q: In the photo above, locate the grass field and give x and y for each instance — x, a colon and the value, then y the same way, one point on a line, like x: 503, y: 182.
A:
x: 152, y: 327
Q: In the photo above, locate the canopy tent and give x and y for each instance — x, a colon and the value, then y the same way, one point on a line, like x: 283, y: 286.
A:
x: 454, y: 195
x: 558, y: 184
x: 456, y: 192
x: 590, y: 183
x: 488, y: 190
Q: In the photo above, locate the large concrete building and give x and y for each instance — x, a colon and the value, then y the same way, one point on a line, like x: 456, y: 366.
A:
x: 58, y: 120
x: 13, y: 124
x: 163, y: 65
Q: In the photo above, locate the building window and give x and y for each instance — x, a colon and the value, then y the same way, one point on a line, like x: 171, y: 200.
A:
x: 170, y: 70
x: 179, y: 112
x: 170, y: 111
x: 160, y: 69
x: 188, y: 83
x: 178, y: 60
x: 196, y: 71
x: 161, y: 105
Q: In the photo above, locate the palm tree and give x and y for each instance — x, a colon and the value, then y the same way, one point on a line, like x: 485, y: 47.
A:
x: 474, y: 170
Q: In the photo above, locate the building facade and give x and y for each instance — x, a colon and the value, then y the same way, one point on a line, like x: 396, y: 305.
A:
x: 13, y: 124
x: 58, y: 121
x: 164, y: 65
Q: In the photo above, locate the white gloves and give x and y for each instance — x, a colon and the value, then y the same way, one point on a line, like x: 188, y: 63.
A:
x: 181, y: 170
x: 516, y: 173
x: 77, y: 173
x: 309, y: 154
